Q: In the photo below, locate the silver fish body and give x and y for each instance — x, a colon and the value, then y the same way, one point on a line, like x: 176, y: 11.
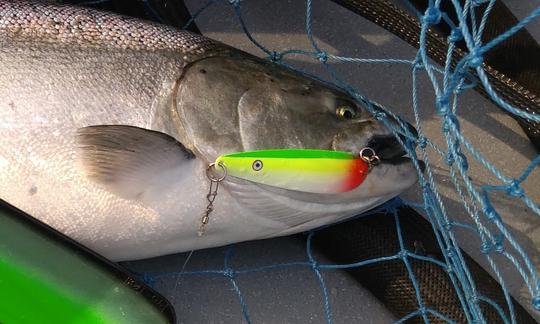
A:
x: 63, y: 68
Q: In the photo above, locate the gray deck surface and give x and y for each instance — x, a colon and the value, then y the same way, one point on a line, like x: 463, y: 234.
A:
x: 294, y: 295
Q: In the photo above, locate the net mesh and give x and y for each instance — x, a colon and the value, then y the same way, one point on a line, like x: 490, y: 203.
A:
x: 448, y: 82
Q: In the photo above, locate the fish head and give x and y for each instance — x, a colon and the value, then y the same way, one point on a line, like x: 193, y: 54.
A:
x: 236, y: 104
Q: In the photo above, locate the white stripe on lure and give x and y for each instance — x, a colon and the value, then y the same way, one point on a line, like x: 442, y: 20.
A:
x: 315, y: 171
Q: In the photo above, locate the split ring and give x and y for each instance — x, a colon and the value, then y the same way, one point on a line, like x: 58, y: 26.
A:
x: 368, y: 154
x: 211, y: 177
x: 365, y: 156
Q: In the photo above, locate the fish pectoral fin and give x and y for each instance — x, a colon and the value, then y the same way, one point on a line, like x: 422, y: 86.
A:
x: 129, y: 161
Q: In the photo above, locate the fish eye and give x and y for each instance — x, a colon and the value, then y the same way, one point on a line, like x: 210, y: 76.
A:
x: 257, y: 165
x: 346, y: 112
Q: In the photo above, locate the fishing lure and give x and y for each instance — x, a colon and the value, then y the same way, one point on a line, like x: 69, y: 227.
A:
x: 314, y: 171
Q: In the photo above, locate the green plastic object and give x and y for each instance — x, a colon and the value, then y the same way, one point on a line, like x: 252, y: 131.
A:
x: 45, y: 277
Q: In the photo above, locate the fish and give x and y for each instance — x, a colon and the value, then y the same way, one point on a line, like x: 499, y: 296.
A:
x: 109, y: 123
x: 315, y: 171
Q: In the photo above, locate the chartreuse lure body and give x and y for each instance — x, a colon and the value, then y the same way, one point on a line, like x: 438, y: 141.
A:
x: 315, y: 171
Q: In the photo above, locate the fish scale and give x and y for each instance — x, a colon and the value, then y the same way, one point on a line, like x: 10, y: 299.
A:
x: 84, y: 27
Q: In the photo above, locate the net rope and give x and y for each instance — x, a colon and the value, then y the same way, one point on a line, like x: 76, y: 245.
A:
x: 486, y: 223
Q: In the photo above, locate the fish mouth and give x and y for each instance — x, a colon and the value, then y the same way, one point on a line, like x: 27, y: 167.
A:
x: 390, y: 151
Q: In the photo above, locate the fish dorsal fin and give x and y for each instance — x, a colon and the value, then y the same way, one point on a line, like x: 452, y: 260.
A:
x: 130, y: 161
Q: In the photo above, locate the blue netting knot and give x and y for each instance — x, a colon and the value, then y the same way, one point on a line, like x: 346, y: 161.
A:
x: 450, y: 158
x: 314, y: 265
x: 499, y: 247
x: 491, y: 214
x: 275, y: 56
x: 499, y: 243
x: 485, y: 248
x: 463, y: 161
x: 470, y: 82
x: 450, y: 253
x: 448, y: 226
x: 380, y: 115
x: 228, y: 273
x: 422, y: 142
x: 234, y: 2
x: 322, y: 56
x: 417, y: 64
x: 475, y: 58
x: 515, y: 190
x: 442, y: 105
x: 451, y: 119
x: 402, y: 254
x: 459, y: 89
x: 473, y: 299
x: 446, y: 125
x: 432, y: 16
x: 456, y: 35
x: 426, y: 190
x: 536, y: 302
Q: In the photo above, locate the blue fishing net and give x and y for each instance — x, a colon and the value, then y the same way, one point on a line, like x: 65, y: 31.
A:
x: 495, y: 240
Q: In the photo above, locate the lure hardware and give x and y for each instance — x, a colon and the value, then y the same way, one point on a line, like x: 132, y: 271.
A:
x: 368, y: 154
x: 212, y: 193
